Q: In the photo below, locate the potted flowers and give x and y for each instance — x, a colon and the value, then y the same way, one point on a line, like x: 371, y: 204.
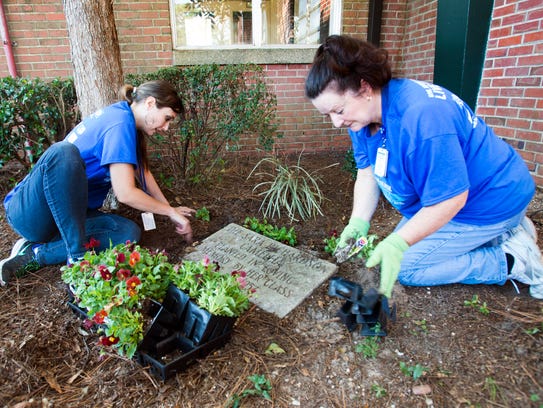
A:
x: 121, y: 290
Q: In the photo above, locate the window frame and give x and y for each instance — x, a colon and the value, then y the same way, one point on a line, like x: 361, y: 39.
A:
x: 255, y: 53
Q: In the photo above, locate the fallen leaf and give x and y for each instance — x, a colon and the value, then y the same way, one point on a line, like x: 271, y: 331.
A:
x: 274, y: 348
x: 53, y: 383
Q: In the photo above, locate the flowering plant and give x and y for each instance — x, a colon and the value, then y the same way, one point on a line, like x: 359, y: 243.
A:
x: 115, y: 286
x: 220, y: 294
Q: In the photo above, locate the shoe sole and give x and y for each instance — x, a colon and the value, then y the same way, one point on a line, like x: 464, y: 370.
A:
x: 20, y: 244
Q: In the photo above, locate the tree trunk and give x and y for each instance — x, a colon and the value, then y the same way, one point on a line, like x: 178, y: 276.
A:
x: 96, y: 56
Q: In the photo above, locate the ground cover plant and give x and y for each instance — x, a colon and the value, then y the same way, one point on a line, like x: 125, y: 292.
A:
x: 444, y: 350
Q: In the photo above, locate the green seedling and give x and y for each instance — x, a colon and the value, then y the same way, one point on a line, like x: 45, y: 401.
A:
x: 477, y: 305
x: 271, y: 231
x: 202, y: 214
x: 415, y: 371
x: 369, y: 347
x: 492, y: 387
x: 261, y: 388
x: 422, y: 325
x: 378, y: 391
x: 330, y: 242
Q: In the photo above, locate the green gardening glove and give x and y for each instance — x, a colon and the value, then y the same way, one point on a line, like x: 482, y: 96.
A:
x: 356, y: 228
x: 388, y: 253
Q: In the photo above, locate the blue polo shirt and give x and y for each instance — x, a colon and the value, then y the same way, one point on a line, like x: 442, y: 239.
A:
x: 437, y: 149
x: 107, y: 136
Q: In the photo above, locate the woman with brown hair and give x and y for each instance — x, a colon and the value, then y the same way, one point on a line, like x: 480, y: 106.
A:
x: 56, y: 207
x: 462, y: 191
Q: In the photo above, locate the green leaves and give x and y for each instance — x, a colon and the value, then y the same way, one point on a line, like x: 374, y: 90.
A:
x: 221, y: 294
x: 271, y: 231
x: 288, y: 187
x: 34, y: 114
x: 223, y: 105
x: 261, y: 388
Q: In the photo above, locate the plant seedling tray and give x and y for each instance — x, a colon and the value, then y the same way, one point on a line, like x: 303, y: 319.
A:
x: 179, y: 334
x: 370, y: 311
x: 175, y: 353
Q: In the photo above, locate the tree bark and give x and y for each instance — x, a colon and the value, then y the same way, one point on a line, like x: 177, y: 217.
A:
x: 95, y: 52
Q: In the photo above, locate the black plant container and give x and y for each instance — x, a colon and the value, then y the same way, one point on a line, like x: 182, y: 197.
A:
x: 196, y: 324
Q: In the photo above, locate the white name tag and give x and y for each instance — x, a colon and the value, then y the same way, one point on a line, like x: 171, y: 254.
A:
x: 148, y: 221
x: 381, y: 162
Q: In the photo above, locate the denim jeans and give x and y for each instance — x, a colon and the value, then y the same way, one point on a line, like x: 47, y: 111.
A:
x: 458, y: 253
x: 50, y: 207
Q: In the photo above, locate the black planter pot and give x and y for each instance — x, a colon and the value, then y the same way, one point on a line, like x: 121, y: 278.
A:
x: 196, y: 324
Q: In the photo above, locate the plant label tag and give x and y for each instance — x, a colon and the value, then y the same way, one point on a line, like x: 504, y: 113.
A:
x: 381, y: 162
x: 148, y: 221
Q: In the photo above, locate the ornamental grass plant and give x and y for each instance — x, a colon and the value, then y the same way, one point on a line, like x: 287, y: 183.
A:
x: 114, y: 287
x: 288, y: 187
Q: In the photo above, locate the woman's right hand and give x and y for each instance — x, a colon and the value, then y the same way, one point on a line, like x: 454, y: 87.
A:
x: 182, y: 224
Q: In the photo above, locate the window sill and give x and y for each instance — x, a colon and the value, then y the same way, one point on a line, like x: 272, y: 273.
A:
x: 292, y: 54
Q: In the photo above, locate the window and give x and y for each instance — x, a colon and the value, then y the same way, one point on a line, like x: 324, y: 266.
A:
x: 253, y: 23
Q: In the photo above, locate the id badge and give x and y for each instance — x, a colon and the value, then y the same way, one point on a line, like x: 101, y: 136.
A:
x: 148, y: 221
x: 381, y: 162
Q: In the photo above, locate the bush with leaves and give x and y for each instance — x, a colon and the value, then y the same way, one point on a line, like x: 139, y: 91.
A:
x: 34, y: 115
x: 222, y: 105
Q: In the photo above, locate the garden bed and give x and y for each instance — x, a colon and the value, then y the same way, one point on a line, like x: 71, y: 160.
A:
x: 464, y: 355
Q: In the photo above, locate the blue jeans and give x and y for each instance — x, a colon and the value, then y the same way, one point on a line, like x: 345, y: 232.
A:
x: 458, y: 253
x: 50, y: 207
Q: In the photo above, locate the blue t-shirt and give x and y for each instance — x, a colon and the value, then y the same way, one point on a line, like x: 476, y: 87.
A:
x: 437, y: 149
x: 105, y: 137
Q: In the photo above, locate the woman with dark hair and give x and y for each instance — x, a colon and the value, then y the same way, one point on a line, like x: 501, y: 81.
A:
x: 55, y: 208
x: 462, y: 191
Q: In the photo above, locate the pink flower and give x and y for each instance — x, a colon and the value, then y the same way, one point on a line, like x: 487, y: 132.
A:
x: 243, y: 274
x: 206, y: 261
x: 121, y: 257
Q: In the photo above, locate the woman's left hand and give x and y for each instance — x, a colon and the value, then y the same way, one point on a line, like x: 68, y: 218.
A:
x: 388, y: 253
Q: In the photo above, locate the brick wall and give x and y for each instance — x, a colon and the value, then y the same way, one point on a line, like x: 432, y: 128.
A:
x: 511, y: 96
x: 41, y: 47
x: 38, y: 34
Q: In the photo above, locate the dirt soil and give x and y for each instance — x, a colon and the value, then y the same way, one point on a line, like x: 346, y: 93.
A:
x: 469, y: 359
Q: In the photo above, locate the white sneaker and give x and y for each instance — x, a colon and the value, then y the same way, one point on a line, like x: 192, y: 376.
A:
x: 527, y: 267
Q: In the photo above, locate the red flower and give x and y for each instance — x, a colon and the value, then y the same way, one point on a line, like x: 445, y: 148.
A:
x: 88, y: 323
x: 333, y: 233
x: 131, y: 285
x: 121, y: 257
x: 99, y: 317
x: 108, y: 340
x: 134, y: 258
x: 123, y: 274
x: 104, y: 271
x: 93, y: 243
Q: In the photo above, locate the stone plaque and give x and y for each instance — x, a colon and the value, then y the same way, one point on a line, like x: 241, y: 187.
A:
x: 283, y: 276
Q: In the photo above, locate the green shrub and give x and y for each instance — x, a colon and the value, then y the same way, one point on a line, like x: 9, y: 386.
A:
x: 349, y: 165
x: 34, y: 114
x: 222, y: 104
